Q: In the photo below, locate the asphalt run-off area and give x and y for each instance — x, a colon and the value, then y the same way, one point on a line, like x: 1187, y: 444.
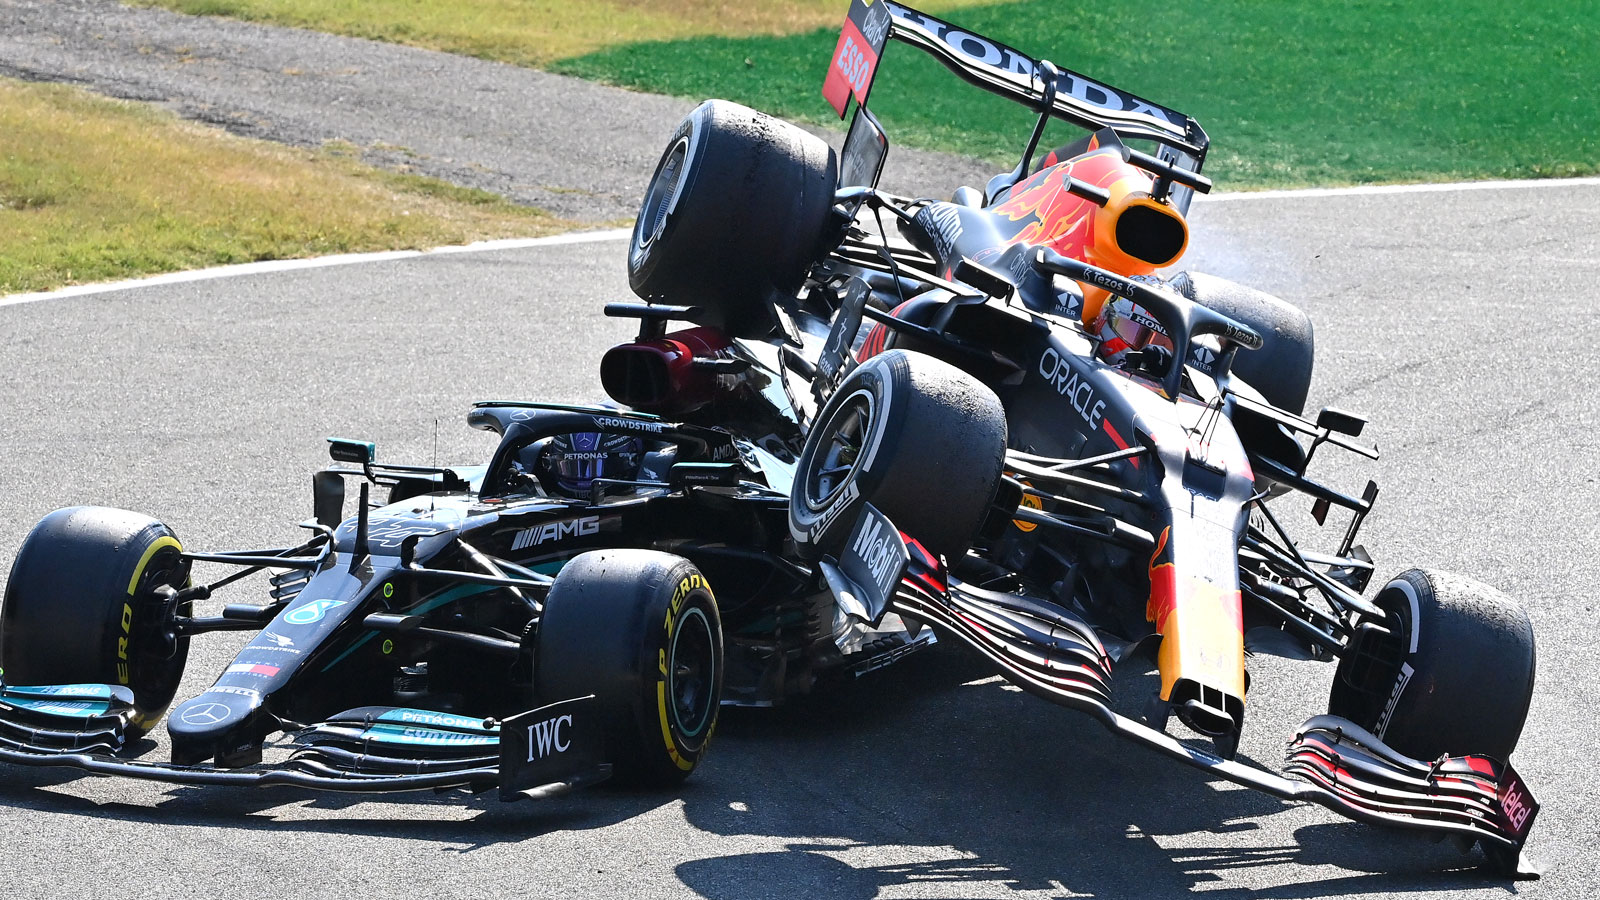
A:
x: 1461, y: 321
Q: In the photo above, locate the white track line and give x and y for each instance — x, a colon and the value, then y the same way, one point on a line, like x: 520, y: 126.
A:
x: 1369, y: 189
x: 585, y: 237
x: 287, y: 265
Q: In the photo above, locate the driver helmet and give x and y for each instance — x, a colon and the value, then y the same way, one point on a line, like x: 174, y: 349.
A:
x: 576, y: 459
x: 1123, y: 325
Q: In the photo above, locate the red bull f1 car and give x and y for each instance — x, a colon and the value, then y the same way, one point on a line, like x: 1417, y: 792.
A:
x: 879, y: 422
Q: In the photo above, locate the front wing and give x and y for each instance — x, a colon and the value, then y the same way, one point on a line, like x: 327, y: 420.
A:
x: 1332, y: 762
x: 539, y: 753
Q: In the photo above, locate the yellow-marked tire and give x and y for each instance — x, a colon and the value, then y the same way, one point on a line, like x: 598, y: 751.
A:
x: 640, y: 631
x: 80, y: 607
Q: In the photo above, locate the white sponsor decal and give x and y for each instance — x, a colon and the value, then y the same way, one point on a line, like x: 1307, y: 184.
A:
x: 630, y: 424
x: 545, y: 738
x: 852, y: 64
x: 845, y: 498
x: 946, y: 228
x: 1399, y: 688
x: 1077, y: 390
x: 1516, y: 807
x: 876, y: 28
x: 985, y: 52
x: 238, y: 691
x: 875, y: 547
x: 427, y: 718
x: 71, y: 690
x: 205, y: 714
x: 555, y: 531
x: 312, y: 613
x: 444, y: 737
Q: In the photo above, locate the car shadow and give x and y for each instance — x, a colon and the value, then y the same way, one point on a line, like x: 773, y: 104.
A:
x: 460, y: 821
x: 960, y: 778
x: 933, y: 771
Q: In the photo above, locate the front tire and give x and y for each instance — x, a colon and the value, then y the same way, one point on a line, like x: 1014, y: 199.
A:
x: 80, y: 607
x: 1454, y: 677
x: 735, y: 213
x: 640, y: 631
x: 919, y: 439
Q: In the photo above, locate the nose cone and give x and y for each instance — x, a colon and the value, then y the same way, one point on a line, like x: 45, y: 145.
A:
x: 221, y: 724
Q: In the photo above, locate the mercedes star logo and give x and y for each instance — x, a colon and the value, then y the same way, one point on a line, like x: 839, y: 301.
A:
x: 205, y: 714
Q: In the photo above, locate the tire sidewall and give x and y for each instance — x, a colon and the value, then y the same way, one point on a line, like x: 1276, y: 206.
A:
x: 673, y: 746
x: 608, y: 630
x: 743, y: 223
x: 821, y: 525
x: 642, y: 260
x: 84, y: 577
x: 1441, y: 685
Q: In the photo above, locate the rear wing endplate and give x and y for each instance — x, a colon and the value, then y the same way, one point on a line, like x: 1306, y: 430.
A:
x: 1000, y: 69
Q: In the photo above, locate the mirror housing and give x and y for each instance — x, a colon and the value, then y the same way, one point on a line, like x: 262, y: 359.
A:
x: 1337, y: 420
x: 361, y: 453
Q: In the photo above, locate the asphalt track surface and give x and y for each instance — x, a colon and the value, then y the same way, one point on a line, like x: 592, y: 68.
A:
x: 1463, y: 323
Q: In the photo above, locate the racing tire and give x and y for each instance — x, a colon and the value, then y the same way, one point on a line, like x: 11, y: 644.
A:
x: 733, y: 216
x: 81, y: 607
x: 1281, y: 369
x: 1454, y: 678
x: 916, y: 437
x: 640, y: 631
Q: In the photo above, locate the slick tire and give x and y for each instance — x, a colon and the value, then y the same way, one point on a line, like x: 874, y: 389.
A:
x: 919, y: 439
x: 1455, y: 677
x: 1281, y: 369
x: 81, y: 607
x: 640, y: 631
x: 734, y: 215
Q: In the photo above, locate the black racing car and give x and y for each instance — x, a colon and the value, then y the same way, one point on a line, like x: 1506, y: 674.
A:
x: 542, y: 621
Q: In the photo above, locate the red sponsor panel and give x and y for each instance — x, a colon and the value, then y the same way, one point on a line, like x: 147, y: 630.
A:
x: 1517, y: 806
x: 850, y: 72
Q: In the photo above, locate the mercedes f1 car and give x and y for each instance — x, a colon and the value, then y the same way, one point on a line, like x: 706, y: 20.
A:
x: 1039, y: 448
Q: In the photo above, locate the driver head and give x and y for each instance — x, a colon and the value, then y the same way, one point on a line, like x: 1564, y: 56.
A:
x: 573, y: 461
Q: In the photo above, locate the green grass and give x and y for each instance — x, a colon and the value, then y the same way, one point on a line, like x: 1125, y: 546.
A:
x: 1293, y: 93
x: 94, y: 189
x: 1309, y: 92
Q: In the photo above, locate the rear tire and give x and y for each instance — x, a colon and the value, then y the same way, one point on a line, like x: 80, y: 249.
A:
x: 1454, y: 678
x: 1281, y: 369
x: 80, y: 608
x: 734, y: 214
x: 640, y: 631
x: 919, y: 439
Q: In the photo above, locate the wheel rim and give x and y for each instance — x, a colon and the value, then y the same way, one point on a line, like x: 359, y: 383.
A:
x: 692, y: 672
x: 663, y: 194
x: 839, y: 450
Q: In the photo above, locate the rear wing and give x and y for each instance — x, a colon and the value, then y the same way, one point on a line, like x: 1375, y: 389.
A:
x: 1008, y: 72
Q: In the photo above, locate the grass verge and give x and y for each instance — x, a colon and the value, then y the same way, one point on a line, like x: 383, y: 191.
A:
x: 1310, y: 92
x: 1298, y: 93
x: 94, y: 189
